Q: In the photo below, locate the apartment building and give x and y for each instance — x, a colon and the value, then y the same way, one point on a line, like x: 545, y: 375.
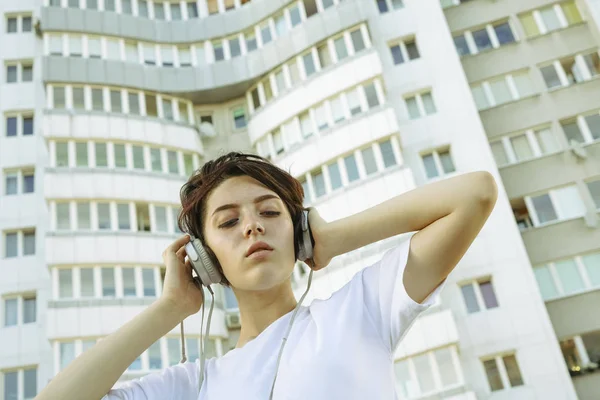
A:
x: 109, y: 105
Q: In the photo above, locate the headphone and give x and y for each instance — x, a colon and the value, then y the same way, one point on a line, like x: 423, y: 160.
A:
x: 209, y: 274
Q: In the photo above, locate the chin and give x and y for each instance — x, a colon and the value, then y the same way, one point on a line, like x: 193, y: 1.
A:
x: 264, y: 276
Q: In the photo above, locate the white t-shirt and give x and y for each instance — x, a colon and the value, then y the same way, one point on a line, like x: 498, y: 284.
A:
x: 338, y: 348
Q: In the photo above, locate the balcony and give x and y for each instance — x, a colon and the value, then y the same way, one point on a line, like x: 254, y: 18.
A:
x: 429, y: 331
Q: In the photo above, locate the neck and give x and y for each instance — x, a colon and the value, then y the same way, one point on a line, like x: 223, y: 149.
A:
x: 259, y: 309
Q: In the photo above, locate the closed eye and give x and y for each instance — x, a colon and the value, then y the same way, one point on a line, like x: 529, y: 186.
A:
x: 232, y: 222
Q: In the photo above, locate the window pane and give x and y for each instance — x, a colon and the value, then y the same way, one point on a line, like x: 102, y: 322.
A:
x: 387, y: 152
x: 321, y: 117
x: 428, y: 103
x: 10, y: 312
x: 134, y: 103
x: 571, y: 12
x: 446, y: 367
x: 138, y: 157
x: 172, y: 162
x: 468, y: 292
x: 11, y: 185
x: 593, y: 123
x: 175, y: 11
x: 482, y: 39
x: 523, y: 84
x: 318, y: 183
x: 239, y: 118
x: 424, y: 373
x: 521, y: 147
x: 357, y: 40
x: 62, y: 154
x: 353, y: 99
x: 159, y: 11
x: 295, y: 15
x: 188, y: 163
x: 128, y: 282
x: 108, y: 282
x: 592, y: 265
x: 413, y: 108
x: 488, y: 294
x: 87, y: 282
x: 306, y: 125
x: 101, y: 155
x: 529, y: 25
x: 500, y: 91
x: 369, y: 160
x: 251, y: 44
x: 62, y: 216
x: 550, y: 77
x: 120, y: 159
x: 550, y: 19
x: 11, y: 126
x: 155, y: 160
x: 103, y: 216
x: 154, y: 356
x: 397, y: 54
x: 167, y: 105
x: 265, y: 32
x: 545, y: 282
x: 569, y: 202
x: 594, y: 188
x: 193, y: 348
x: 83, y: 216
x: 280, y: 25
x: 499, y: 153
x: 504, y: 33
x: 30, y: 383
x: 569, y: 276
x: 59, y: 97
x: 340, y: 48
x: 160, y: 214
x: 115, y: 101
x: 78, y: 99
x: 11, y: 387
x: 371, y: 94
x: 512, y: 369
x: 192, y: 9
x: 151, y: 107
x: 544, y: 208
x: 11, y: 73
x: 324, y: 56
x: 11, y: 25
x: 148, y: 281
x: 412, y: 50
x: 334, y: 175
x: 430, y: 168
x: 81, y: 154
x: 67, y: 354
x: 446, y: 161
x: 572, y: 131
x: 28, y: 243
x: 65, y: 283
x: 461, y: 45
x: 235, y: 48
x: 123, y: 216
x: 351, y: 168
x: 546, y: 141
x: 97, y: 100
x: 337, y: 109
x: 493, y: 375
x: 480, y: 98
x: 173, y: 346
x: 309, y: 64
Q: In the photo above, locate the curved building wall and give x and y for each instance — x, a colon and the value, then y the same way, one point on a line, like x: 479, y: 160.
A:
x: 360, y: 100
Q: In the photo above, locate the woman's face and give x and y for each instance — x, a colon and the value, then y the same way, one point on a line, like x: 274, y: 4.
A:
x: 239, y: 213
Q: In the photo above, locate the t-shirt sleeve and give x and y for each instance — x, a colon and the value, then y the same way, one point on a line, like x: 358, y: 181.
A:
x: 178, y: 382
x: 393, y: 311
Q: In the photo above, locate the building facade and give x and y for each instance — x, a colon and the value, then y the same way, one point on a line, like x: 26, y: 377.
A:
x: 109, y: 105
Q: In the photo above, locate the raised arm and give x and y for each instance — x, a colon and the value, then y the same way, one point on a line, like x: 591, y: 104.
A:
x: 447, y: 214
x: 94, y: 373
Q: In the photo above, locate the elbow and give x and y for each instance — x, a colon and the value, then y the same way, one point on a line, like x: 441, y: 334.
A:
x: 485, y: 189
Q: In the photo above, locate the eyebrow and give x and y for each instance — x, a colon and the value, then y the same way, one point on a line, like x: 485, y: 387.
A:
x: 257, y: 200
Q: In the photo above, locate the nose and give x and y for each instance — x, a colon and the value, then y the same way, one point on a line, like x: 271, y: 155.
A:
x: 254, y: 228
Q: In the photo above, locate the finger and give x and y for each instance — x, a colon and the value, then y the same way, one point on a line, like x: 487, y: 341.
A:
x: 181, y: 254
x: 181, y: 241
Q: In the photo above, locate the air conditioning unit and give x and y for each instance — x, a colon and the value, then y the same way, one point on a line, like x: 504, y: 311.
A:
x: 233, y: 321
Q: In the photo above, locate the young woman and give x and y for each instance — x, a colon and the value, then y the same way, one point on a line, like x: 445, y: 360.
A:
x: 339, y: 348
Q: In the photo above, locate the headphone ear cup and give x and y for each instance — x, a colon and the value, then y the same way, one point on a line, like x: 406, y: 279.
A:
x: 203, y: 265
x: 305, y: 246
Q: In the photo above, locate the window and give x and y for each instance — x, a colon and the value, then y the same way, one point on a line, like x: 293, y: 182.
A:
x: 550, y: 18
x: 167, y: 109
x: 278, y: 142
x: 97, y: 99
x: 461, y: 45
x: 387, y: 5
x: 11, y: 384
x: 294, y: 72
x: 438, y: 163
x: 340, y: 48
x: 239, y: 118
x: 482, y: 39
x: 63, y: 218
x: 558, y: 204
x: 265, y: 32
x: 479, y: 295
x: 592, y: 61
x: 29, y: 309
x: 318, y: 181
x: 369, y: 161
x: 503, y: 372
x: 11, y: 73
x: 154, y: 356
x: 11, y: 187
x: 143, y: 217
x: 120, y: 157
x: 103, y: 216
x: 167, y: 56
x: 160, y: 216
x: 371, y: 95
x: 306, y: 125
x: 420, y: 105
x: 11, y: 24
x: 28, y: 182
x: 324, y: 55
x: 594, y: 188
x: 188, y: 164
x: 295, y: 16
x: 10, y: 312
x: 310, y: 6
x: 251, y: 44
x: 134, y: 103
x: 149, y: 54
x: 159, y: 11
x: 565, y: 277
x: 387, y: 153
x: 67, y: 353
x: 334, y: 175
x: 138, y: 157
x: 62, y: 154
x: 219, y: 52
x: 83, y: 216
x: 175, y: 12
x: 351, y: 168
x: 151, y: 106
x: 11, y: 126
x: 81, y: 154
x: 357, y: 40
x: 148, y: 282
x: 115, y: 101
x: 337, y: 109
x: 234, y: 47
x: 405, y: 51
x: 172, y: 162
x: 94, y: 47
x: 108, y: 282
x: 499, y: 91
x: 353, y: 99
x: 309, y: 64
x: 321, y: 117
x: 192, y: 9
x: 123, y: 217
x: 280, y: 24
x: 128, y: 282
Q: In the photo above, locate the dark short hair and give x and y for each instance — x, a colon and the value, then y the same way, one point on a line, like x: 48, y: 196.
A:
x: 196, y: 190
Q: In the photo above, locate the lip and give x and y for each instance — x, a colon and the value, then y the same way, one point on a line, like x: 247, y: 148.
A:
x: 257, y: 247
